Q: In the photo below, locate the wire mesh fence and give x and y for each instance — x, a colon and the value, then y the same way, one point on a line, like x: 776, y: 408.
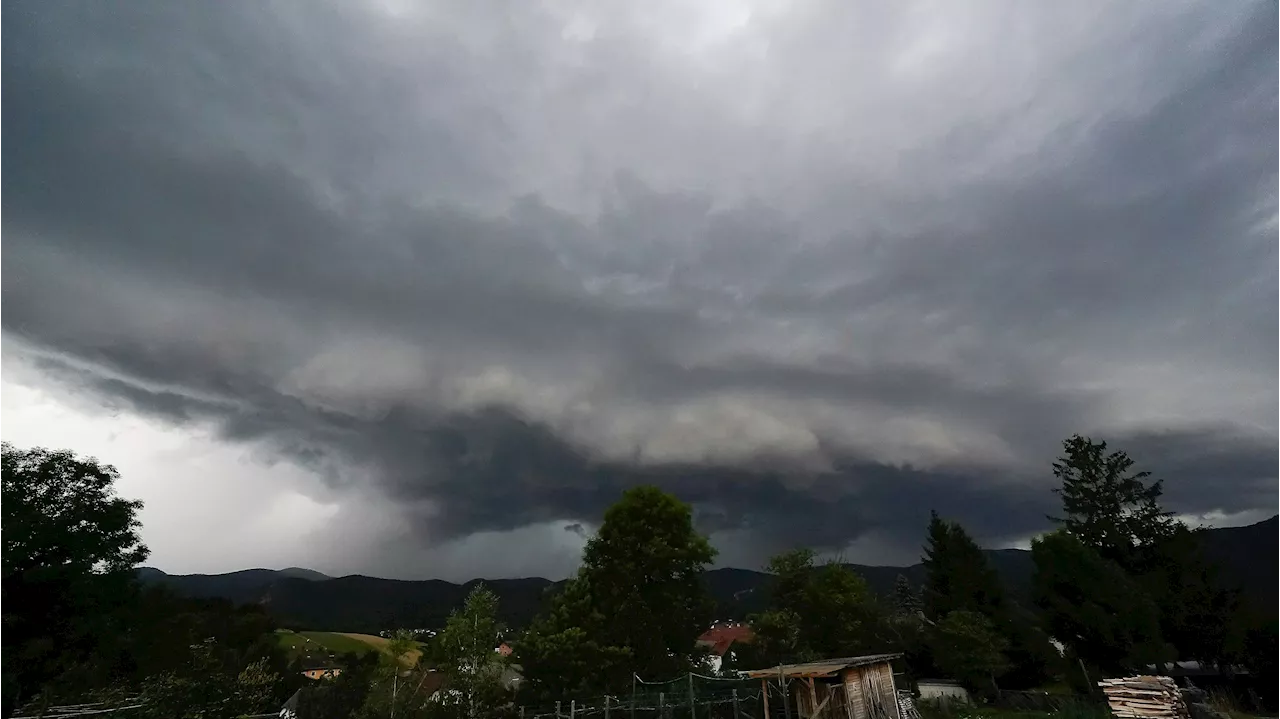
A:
x: 692, y: 696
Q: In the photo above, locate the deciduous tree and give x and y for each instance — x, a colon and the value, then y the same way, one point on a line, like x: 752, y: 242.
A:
x: 70, y: 546
x: 967, y: 646
x: 638, y: 603
x: 644, y: 570
x: 1093, y: 607
x: 203, y: 687
x: 815, y: 612
x: 475, y: 669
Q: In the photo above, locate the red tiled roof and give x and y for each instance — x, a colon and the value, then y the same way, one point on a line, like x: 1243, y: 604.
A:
x: 719, y: 639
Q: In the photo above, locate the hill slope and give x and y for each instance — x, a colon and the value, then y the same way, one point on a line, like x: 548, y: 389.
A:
x: 306, y: 599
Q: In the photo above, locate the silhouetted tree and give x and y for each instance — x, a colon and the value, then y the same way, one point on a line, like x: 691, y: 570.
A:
x: 906, y: 599
x: 638, y: 603
x: 1107, y: 505
x: 967, y: 646
x: 815, y: 612
x: 475, y: 669
x: 1093, y: 607
x: 957, y: 574
x: 1116, y: 511
x: 70, y: 546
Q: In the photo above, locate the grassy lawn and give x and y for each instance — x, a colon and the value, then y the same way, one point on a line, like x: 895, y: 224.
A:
x: 321, y: 646
x: 410, y: 658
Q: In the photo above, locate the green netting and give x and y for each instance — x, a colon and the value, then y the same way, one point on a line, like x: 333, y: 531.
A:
x: 692, y: 696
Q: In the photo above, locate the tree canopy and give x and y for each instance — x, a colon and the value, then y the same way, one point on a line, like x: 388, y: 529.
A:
x: 70, y: 546
x: 467, y: 648
x: 1093, y: 607
x: 968, y: 647
x: 815, y: 611
x: 638, y: 602
x: 957, y: 574
x: 1115, y: 511
x: 1107, y: 505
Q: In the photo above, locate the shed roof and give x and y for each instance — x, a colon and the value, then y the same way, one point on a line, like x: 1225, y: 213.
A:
x: 818, y: 669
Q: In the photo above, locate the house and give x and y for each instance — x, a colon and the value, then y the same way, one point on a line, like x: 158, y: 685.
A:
x: 720, y: 637
x: 327, y: 672
x: 507, y: 675
x: 844, y: 688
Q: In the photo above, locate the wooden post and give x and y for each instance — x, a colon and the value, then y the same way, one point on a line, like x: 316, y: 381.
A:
x: 662, y: 705
x: 764, y: 694
x: 573, y: 708
x: 557, y: 709
x: 606, y: 706
x: 786, y: 693
x: 692, y: 710
x: 813, y: 699
x: 633, y: 696
x: 1087, y: 681
x: 735, y: 705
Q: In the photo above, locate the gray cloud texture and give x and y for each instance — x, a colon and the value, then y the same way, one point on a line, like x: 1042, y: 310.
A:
x: 816, y: 267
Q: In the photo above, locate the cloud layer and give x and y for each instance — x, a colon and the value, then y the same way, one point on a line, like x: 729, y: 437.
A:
x: 816, y: 267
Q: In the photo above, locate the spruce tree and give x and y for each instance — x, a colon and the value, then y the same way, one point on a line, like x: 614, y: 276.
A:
x: 957, y: 575
x: 906, y: 600
x: 1107, y: 505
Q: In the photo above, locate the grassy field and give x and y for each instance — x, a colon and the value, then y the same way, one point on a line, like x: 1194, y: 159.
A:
x: 319, y: 647
x: 382, y: 644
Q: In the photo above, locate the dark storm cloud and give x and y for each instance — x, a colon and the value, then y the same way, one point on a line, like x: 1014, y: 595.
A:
x: 448, y: 255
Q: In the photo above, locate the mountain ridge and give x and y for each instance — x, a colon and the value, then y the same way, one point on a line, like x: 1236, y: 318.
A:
x: 304, y: 598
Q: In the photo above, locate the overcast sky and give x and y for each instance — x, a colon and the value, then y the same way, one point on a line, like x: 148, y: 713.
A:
x: 416, y: 289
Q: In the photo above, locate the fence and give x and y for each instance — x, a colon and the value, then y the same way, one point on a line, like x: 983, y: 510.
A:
x: 692, y: 696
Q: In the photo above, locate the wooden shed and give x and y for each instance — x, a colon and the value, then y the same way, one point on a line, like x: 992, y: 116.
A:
x: 845, y: 688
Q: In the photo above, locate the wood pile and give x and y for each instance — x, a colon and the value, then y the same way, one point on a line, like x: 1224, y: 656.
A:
x: 1144, y: 697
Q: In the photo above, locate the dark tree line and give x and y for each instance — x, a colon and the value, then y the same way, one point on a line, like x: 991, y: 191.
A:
x: 77, y: 626
x: 1120, y: 584
x: 1124, y: 584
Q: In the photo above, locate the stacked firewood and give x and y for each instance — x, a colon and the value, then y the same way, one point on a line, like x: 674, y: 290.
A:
x: 1144, y: 697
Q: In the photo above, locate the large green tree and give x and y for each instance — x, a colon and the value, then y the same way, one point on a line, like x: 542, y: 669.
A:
x: 1115, y: 510
x: 958, y: 578
x: 564, y: 651
x: 1108, y: 505
x: 638, y: 603
x: 957, y: 574
x: 815, y: 611
x: 967, y: 646
x: 1197, y: 612
x: 1093, y: 607
x: 645, y: 570
x: 70, y: 546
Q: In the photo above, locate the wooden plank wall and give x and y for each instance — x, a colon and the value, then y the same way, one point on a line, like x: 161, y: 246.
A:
x: 853, y: 689
x: 890, y: 689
